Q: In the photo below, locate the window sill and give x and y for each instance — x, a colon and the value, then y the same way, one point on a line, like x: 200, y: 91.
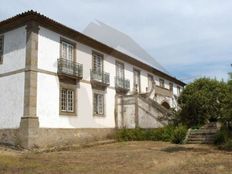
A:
x: 98, y: 115
x: 68, y: 114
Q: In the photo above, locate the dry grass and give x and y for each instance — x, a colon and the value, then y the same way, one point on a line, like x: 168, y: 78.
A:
x: 124, y: 158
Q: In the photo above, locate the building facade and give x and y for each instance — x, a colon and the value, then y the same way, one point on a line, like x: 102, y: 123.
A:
x: 58, y: 85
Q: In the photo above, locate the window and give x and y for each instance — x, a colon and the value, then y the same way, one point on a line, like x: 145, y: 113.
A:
x: 98, y: 104
x: 1, y: 48
x: 98, y: 63
x: 171, y: 87
x: 120, y: 70
x: 67, y: 51
x: 120, y: 74
x: 150, y: 81
x: 137, y: 80
x: 178, y: 90
x: 67, y: 100
x: 161, y: 83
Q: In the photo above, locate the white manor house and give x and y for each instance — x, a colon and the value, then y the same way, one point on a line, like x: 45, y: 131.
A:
x: 61, y: 86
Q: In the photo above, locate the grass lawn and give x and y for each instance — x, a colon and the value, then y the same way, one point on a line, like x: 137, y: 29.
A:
x: 120, y: 158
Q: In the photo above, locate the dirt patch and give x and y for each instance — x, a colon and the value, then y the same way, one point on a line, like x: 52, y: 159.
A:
x: 124, y: 158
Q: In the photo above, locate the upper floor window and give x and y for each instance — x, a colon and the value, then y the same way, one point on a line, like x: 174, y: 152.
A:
x: 161, y: 81
x: 171, y: 87
x: 97, y: 62
x: 67, y: 50
x: 119, y: 70
x: 1, y: 48
x: 178, y: 90
x: 150, y: 81
x: 136, y: 80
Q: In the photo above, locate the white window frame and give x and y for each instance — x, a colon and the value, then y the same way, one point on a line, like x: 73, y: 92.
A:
x: 178, y: 90
x: 68, y: 99
x: 67, y: 50
x: 162, y: 85
x: 171, y: 86
x: 98, y: 60
x: 97, y: 111
x: 150, y: 81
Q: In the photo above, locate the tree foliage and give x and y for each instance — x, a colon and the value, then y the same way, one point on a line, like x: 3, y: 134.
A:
x: 202, y: 100
x: 227, y: 107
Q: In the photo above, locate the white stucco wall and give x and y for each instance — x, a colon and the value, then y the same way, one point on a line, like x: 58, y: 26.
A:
x: 48, y: 86
x: 14, y: 50
x: 12, y: 100
x: 11, y: 84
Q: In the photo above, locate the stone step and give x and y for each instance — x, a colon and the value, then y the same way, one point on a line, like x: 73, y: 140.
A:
x: 201, y: 135
x: 204, y: 132
x: 199, y: 142
x: 201, y: 139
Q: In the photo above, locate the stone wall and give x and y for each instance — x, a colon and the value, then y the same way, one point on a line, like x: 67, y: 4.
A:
x: 56, y: 137
x: 134, y: 111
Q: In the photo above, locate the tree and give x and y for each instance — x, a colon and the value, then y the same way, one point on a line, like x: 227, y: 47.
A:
x: 202, y: 101
x: 227, y: 108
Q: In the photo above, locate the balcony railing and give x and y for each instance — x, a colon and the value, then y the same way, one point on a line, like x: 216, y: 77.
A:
x: 70, y: 68
x: 99, y: 77
x: 121, y: 83
x: 163, y: 91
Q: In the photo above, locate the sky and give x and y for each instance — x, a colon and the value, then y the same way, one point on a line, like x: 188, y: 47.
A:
x: 189, y: 38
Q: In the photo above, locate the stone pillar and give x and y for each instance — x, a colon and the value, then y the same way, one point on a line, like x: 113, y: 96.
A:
x: 136, y: 111
x: 29, y: 125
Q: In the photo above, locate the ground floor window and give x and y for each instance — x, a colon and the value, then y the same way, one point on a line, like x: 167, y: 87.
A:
x: 98, y: 104
x: 67, y: 99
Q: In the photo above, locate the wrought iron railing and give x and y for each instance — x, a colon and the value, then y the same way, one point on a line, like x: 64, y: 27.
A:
x: 122, y: 83
x: 100, y: 76
x: 70, y: 68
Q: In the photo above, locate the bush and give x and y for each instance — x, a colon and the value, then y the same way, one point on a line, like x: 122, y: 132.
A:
x: 221, y: 137
x: 227, y: 145
x: 179, y: 134
x: 160, y: 134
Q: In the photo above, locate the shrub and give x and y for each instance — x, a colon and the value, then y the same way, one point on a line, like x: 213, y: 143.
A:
x: 227, y: 145
x: 179, y: 134
x: 158, y: 134
x: 221, y: 137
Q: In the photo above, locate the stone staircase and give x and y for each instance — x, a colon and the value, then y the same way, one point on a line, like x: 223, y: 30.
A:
x: 204, y: 135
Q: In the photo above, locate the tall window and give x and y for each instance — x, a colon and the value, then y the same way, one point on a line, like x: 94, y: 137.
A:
x: 150, y: 81
x: 178, y: 90
x: 98, y: 104
x: 1, y: 48
x: 119, y: 74
x: 171, y: 87
x: 67, y: 51
x: 98, y: 63
x: 67, y: 100
x: 137, y: 80
x: 120, y: 70
x: 161, y: 83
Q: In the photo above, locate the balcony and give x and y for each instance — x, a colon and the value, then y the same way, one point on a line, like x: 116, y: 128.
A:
x: 122, y: 85
x: 163, y: 91
x: 99, y: 80
x: 69, y: 69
